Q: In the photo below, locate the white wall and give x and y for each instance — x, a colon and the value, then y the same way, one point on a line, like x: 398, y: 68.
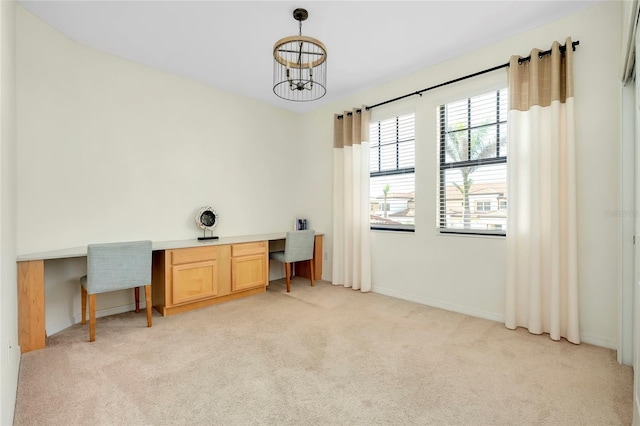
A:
x: 467, y: 274
x: 111, y: 150
x: 9, y: 350
x: 627, y: 222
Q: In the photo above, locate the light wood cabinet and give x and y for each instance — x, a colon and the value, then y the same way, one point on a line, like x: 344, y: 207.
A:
x: 194, y: 281
x: 194, y: 274
x: 249, y: 265
x: 213, y: 280
x: 190, y: 278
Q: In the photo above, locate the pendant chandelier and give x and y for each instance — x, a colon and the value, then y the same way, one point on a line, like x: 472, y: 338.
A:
x: 300, y: 65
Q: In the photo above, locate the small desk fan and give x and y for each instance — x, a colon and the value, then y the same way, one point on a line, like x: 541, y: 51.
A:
x: 207, y: 219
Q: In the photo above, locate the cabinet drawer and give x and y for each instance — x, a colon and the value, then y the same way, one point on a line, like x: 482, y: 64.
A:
x: 248, y: 249
x: 196, y: 254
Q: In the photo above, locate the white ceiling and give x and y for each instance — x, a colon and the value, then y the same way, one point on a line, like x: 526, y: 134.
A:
x: 228, y: 44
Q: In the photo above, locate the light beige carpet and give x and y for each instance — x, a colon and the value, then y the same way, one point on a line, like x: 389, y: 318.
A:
x: 318, y: 356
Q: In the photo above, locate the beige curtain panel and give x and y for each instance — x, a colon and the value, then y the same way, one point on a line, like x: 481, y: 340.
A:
x: 351, y: 266
x: 541, y: 81
x: 351, y: 127
x: 542, y: 281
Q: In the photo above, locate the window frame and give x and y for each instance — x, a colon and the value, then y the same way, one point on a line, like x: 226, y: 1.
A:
x: 443, y: 166
x: 398, y: 171
x: 486, y: 206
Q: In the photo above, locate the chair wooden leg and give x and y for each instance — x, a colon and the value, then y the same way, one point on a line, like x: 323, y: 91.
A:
x: 287, y: 271
x: 311, y: 272
x: 92, y: 317
x: 136, y: 291
x: 83, y: 303
x: 147, y: 293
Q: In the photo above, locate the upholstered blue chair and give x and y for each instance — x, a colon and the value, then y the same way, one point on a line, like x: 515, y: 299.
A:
x: 298, y: 247
x: 112, y: 267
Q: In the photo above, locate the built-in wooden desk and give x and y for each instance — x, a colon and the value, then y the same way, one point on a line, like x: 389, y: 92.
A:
x: 31, y: 297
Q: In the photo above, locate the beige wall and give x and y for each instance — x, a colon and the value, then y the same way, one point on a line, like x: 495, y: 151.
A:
x: 110, y: 150
x: 9, y: 350
x: 466, y: 274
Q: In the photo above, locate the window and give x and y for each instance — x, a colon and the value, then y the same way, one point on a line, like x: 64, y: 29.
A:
x: 473, y: 165
x: 483, y: 206
x: 392, y: 167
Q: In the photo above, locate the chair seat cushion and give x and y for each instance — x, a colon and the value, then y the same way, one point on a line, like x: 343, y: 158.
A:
x: 83, y: 281
x: 277, y: 255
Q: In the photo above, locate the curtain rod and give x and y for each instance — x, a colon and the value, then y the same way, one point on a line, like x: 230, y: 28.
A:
x: 563, y: 48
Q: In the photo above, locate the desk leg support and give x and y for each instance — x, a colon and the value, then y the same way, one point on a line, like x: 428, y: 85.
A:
x: 31, y: 316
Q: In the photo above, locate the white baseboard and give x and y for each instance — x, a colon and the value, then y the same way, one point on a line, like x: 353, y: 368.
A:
x: 598, y: 341
x: 492, y: 316
x: 57, y: 327
x: 13, y: 371
x: 14, y: 358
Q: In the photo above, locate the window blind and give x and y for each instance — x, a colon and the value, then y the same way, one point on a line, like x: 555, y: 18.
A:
x: 473, y: 194
x: 392, y: 168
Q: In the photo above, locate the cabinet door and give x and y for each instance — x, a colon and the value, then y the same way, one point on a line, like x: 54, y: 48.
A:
x: 194, y: 281
x: 248, y: 272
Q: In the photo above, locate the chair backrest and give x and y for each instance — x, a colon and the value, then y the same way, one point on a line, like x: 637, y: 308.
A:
x: 299, y: 245
x: 116, y: 266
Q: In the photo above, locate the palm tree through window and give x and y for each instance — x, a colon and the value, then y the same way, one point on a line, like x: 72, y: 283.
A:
x: 473, y: 158
x: 392, y: 173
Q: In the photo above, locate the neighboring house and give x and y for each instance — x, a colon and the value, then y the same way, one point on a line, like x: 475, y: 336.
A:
x: 487, y: 206
x: 399, y: 206
x: 379, y: 220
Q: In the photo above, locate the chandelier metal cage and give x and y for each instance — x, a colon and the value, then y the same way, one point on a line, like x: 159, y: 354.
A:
x: 300, y: 65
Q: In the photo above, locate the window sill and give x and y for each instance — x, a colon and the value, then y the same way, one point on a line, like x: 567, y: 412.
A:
x: 476, y: 234
x: 399, y: 230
